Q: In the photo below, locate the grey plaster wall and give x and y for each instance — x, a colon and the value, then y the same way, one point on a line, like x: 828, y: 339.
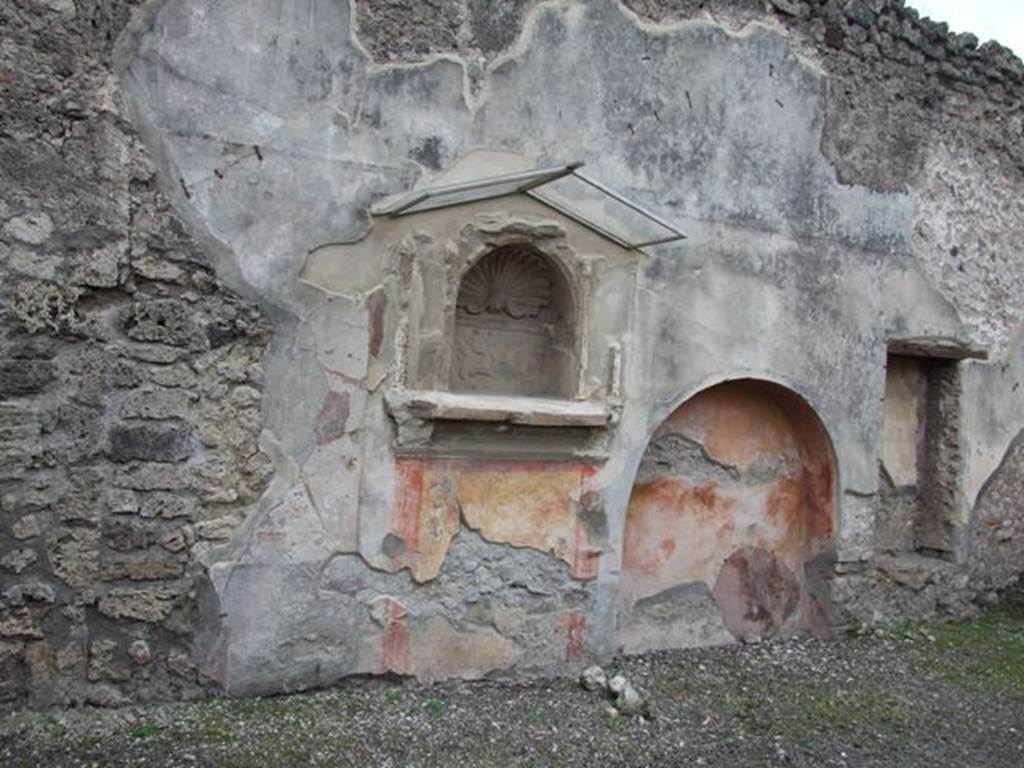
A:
x: 845, y: 172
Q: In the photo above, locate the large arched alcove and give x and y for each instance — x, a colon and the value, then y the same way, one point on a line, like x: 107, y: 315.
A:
x: 514, y: 330
x: 729, y: 521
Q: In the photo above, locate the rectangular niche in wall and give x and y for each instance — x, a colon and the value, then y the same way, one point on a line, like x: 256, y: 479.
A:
x: 920, y: 469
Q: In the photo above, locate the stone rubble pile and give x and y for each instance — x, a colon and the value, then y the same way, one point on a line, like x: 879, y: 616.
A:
x: 626, y: 699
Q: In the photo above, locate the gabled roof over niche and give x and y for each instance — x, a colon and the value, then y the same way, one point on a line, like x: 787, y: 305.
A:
x: 562, y: 188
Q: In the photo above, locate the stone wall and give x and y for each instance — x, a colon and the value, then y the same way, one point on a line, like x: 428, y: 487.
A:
x: 130, y: 383
x: 135, y: 332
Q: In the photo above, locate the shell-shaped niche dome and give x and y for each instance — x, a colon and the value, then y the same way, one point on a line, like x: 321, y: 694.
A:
x: 512, y: 280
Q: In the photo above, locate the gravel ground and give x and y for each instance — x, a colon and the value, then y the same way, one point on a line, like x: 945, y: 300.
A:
x: 930, y: 695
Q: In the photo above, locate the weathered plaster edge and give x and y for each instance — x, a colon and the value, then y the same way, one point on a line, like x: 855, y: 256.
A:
x: 225, y: 266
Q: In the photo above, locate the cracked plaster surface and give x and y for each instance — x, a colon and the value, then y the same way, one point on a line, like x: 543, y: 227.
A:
x: 277, y: 133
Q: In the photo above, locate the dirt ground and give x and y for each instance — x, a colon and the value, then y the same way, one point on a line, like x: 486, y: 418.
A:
x: 927, y: 695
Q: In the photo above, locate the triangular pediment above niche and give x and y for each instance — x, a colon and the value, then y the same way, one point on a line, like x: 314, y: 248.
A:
x: 561, y: 187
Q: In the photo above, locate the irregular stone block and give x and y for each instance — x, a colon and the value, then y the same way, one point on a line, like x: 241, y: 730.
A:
x: 245, y: 396
x: 34, y: 227
x: 165, y: 505
x: 83, y: 425
x: 151, y: 353
x: 18, y: 560
x: 123, y: 536
x: 219, y: 529
x: 33, y: 591
x: 18, y: 622
x: 158, y: 404
x: 74, y: 557
x: 39, y: 306
x: 124, y: 375
x: 153, y: 604
x: 29, y: 498
x: 222, y: 426
x: 10, y: 648
x: 177, y: 375
x: 145, y: 566
x: 169, y: 442
x: 214, y: 484
x: 27, y: 527
x: 106, y: 661
x: 628, y: 700
x: 71, y: 657
x: 81, y: 502
x: 594, y: 679
x: 42, y: 266
x: 140, y: 653
x: 122, y: 502
x: 159, y: 269
x: 163, y: 321
x: 100, y: 268
x: 105, y: 695
x: 179, y: 539
x: 150, y: 476
x: 25, y: 377
x: 180, y: 664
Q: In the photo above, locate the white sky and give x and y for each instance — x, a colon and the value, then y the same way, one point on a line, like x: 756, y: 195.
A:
x: 1001, y: 20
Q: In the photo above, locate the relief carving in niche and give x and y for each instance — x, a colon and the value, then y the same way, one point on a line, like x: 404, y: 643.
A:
x: 511, y: 280
x: 513, y: 330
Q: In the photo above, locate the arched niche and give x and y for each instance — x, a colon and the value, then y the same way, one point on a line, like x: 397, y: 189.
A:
x: 730, y: 522
x: 514, y: 330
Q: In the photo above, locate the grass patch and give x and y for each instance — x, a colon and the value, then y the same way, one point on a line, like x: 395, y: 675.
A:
x: 830, y: 708
x: 54, y: 727
x: 347, y: 700
x: 799, y: 707
x: 268, y: 707
x: 144, y: 731
x: 985, y: 656
x: 434, y: 707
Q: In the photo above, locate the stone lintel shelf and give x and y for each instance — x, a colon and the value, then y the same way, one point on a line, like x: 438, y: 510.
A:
x: 431, y: 405
x: 937, y: 346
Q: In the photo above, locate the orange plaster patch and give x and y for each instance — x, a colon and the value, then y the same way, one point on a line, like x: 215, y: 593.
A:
x: 396, y: 644
x: 529, y: 504
x: 575, y: 644
x: 786, y: 512
x: 523, y: 503
x: 410, y: 499
x: 819, y: 491
x: 674, y: 532
x: 426, y: 517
